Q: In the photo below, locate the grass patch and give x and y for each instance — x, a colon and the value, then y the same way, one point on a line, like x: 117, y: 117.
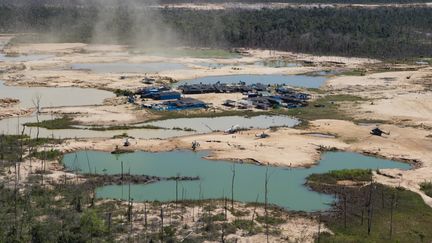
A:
x: 69, y: 123
x: 426, y: 187
x: 186, y: 129
x: 271, y: 220
x: 123, y: 135
x: 370, y: 121
x: 10, y: 145
x: 123, y: 92
x: 52, y: 154
x: 326, y: 107
x: 58, y: 123
x: 110, y: 128
x: 332, y: 177
x: 316, y: 90
x: 354, y: 72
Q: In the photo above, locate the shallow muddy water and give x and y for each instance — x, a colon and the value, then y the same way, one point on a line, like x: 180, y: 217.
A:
x: 277, y: 63
x: 23, y: 58
x: 14, y: 125
x: 54, y: 97
x: 207, y: 124
x: 286, y: 186
x: 124, y: 67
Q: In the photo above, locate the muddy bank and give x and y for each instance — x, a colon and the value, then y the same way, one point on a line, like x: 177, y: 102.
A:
x: 119, y: 179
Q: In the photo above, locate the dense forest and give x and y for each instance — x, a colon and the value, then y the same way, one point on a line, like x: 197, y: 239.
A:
x: 380, y: 32
x: 91, y: 2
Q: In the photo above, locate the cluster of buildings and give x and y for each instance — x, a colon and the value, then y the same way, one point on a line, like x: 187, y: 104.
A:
x: 218, y: 87
x: 264, y: 100
x: 257, y: 96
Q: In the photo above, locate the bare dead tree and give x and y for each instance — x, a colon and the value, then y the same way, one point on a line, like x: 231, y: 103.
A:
x: 88, y: 161
x: 253, y: 214
x: 145, y: 221
x: 1, y: 147
x: 37, y: 104
x: 22, y: 144
x: 266, y: 202
x: 370, y: 208
x: 345, y: 207
x: 364, y: 206
x: 176, y: 188
x: 162, y: 223
x: 15, y: 205
x: 223, y: 234
x: 109, y: 219
x: 319, y: 228
x: 122, y: 171
x: 199, y: 199
x: 232, y: 186
x: 30, y: 151
x: 225, y: 209
x: 392, y: 206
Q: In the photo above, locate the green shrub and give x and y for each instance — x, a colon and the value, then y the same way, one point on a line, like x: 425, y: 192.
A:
x: 52, y: 154
x: 426, y: 187
x: 332, y: 177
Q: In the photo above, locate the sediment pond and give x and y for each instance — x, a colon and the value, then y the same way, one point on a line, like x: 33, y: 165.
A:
x: 293, y: 80
x: 54, y: 97
x: 124, y: 67
x: 23, y: 58
x: 285, y: 188
x: 207, y: 124
x: 14, y: 125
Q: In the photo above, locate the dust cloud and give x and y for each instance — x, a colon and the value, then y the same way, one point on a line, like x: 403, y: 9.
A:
x: 138, y: 23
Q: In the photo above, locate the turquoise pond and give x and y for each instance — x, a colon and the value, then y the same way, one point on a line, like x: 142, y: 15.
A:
x: 286, y: 186
x: 293, y: 80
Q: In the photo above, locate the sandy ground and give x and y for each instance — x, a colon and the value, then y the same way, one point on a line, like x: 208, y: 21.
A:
x: 14, y: 112
x: 416, y: 108
x: 55, y: 71
x: 398, y: 97
x: 57, y: 48
x: 109, y: 115
x: 287, y: 147
x: 55, y: 173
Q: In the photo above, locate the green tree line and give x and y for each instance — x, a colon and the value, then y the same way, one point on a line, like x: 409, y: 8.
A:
x: 383, y: 32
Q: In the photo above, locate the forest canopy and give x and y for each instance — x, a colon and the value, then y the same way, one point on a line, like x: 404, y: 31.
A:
x: 384, y: 32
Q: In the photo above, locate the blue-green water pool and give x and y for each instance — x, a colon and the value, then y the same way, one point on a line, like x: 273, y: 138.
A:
x: 285, y: 188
